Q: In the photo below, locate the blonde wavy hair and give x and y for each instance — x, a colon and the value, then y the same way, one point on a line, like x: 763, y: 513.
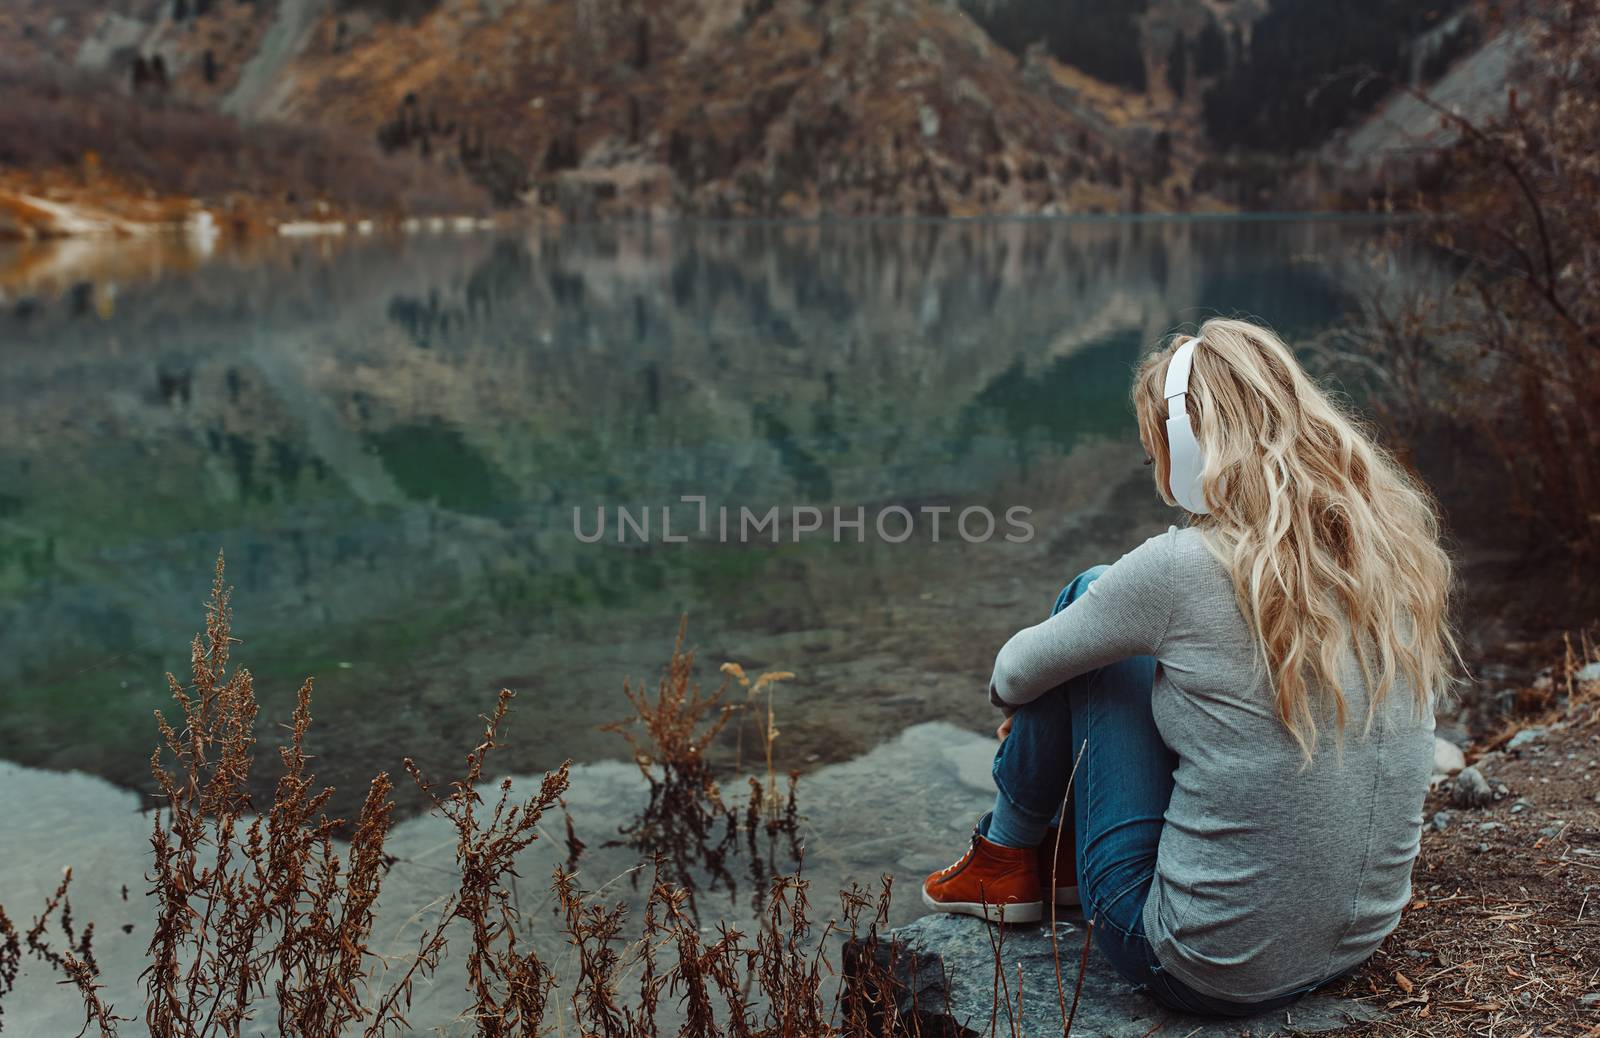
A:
x: 1331, y: 545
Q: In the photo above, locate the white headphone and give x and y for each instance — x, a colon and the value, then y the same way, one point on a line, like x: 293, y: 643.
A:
x: 1187, y: 462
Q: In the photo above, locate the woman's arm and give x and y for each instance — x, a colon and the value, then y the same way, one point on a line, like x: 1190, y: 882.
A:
x: 1123, y: 613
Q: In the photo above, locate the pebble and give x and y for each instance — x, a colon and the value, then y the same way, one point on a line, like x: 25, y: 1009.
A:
x: 1520, y: 806
x: 1591, y: 999
x: 1483, y: 848
x: 1441, y: 820
x: 1490, y: 827
x: 1524, y: 737
x: 1471, y: 790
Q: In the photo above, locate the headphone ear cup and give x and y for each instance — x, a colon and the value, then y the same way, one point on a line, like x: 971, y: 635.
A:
x: 1188, y: 463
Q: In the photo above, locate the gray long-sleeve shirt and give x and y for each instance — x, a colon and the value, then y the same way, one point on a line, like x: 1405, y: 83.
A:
x: 1269, y: 875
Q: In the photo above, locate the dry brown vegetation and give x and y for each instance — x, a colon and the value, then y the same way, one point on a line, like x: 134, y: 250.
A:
x: 270, y: 914
x: 688, y: 825
x: 69, y: 126
x: 1512, y: 355
x: 75, y: 961
x: 248, y: 904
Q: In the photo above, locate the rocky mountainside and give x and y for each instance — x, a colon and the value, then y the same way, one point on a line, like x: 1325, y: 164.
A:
x: 743, y: 108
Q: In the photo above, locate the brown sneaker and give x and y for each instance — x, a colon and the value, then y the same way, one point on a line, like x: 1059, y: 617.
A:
x: 1058, y: 865
x: 991, y: 882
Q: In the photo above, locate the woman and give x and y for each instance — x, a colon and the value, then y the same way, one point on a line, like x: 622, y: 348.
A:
x: 1243, y: 706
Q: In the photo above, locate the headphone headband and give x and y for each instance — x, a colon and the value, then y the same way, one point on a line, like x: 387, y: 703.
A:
x: 1178, y: 372
x: 1187, y: 461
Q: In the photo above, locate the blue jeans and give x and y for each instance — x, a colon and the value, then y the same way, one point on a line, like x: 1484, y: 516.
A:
x: 1119, y: 796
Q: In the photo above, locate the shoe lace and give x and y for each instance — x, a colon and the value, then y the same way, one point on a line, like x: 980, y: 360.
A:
x: 971, y: 846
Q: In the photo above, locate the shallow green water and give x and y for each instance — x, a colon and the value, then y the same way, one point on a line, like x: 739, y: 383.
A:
x: 388, y: 439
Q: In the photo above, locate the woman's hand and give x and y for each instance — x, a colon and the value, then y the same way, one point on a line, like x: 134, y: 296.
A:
x: 1004, y: 729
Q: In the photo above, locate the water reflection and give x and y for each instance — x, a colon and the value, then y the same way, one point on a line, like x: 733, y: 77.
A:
x: 388, y: 438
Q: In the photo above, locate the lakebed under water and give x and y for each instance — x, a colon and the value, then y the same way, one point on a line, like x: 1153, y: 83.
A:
x: 390, y: 438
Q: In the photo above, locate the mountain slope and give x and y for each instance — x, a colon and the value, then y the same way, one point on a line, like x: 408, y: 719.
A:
x: 618, y: 107
x: 782, y: 108
x: 776, y: 107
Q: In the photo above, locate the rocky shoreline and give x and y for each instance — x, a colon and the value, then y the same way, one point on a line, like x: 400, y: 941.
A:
x: 44, y: 209
x: 900, y: 809
x: 1498, y: 931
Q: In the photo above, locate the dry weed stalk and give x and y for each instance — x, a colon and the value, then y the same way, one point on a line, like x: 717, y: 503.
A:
x: 76, y: 964
x: 673, y: 735
x: 259, y: 909
x: 245, y: 900
x: 679, y: 977
x: 10, y: 960
x: 870, y: 999
x: 509, y: 985
x: 249, y: 903
x: 83, y: 975
x: 686, y: 807
x: 769, y: 731
x: 687, y: 822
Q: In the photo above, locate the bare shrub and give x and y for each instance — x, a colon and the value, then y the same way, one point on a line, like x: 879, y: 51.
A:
x: 1513, y: 352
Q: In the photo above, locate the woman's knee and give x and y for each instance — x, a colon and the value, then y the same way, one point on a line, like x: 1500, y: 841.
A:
x: 1052, y: 710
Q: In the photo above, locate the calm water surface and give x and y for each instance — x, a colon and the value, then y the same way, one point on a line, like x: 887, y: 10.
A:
x: 388, y: 440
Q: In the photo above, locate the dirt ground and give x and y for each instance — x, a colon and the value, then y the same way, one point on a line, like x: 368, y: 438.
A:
x: 1502, y: 937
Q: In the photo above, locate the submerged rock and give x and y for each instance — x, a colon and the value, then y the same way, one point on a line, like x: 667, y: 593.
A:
x: 943, y: 974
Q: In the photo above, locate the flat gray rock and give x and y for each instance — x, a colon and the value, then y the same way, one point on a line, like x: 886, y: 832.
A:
x: 906, y: 808
x: 944, y: 966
